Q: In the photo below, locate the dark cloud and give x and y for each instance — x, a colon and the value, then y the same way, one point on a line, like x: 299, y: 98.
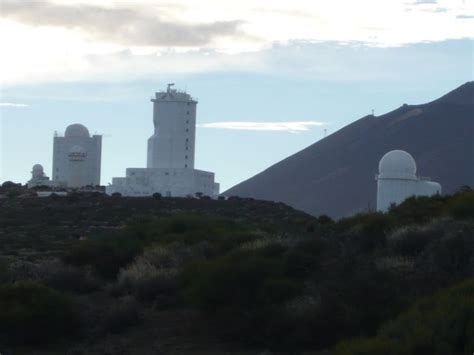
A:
x: 465, y: 17
x: 119, y: 25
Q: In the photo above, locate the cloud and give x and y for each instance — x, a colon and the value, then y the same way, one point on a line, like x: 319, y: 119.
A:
x: 465, y: 17
x: 436, y: 10
x: 10, y: 104
x: 127, y: 26
x: 422, y: 2
x: 292, y: 126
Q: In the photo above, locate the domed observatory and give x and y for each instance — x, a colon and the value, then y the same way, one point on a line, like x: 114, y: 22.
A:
x: 77, y: 157
x: 397, y: 180
x: 38, y: 177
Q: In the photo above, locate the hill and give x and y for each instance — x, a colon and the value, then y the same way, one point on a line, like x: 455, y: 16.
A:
x: 335, y: 176
x: 91, y: 274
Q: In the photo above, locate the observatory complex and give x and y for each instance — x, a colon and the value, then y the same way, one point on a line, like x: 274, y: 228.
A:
x: 77, y: 158
x: 170, y: 162
x: 397, y: 180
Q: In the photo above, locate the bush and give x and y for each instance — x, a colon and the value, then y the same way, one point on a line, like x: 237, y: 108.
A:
x: 70, y: 278
x: 106, y: 255
x: 412, y: 240
x: 54, y: 274
x: 451, y: 255
x: 33, y: 314
x: 440, y: 324
x: 238, y: 280
x: 363, y: 346
x: 121, y: 315
x: 146, y: 281
x: 462, y: 205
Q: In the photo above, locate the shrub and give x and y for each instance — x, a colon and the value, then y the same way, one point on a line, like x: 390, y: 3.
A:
x: 440, y: 324
x: 122, y: 314
x: 462, y: 205
x: 33, y: 314
x: 411, y: 240
x: 157, y: 196
x: 106, y: 255
x: 146, y: 281
x: 54, y: 274
x: 362, y: 346
x: 238, y: 280
x: 70, y: 278
x: 451, y: 255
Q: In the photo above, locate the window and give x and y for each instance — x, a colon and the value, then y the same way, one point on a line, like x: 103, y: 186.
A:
x: 185, y: 165
x: 187, y: 129
x: 187, y: 112
x: 187, y: 139
x: 185, y: 157
x: 187, y: 121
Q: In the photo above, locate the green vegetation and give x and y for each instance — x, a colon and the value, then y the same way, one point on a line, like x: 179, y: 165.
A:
x: 258, y: 274
x: 439, y: 324
x: 32, y: 313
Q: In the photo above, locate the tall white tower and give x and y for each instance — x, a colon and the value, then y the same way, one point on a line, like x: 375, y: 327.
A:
x: 174, y: 117
x: 170, y: 163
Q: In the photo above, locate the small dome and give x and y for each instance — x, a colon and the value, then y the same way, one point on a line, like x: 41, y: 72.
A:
x: 397, y: 162
x: 37, y: 168
x: 77, y: 130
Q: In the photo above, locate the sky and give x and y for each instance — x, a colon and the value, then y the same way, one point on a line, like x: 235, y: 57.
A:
x: 271, y: 78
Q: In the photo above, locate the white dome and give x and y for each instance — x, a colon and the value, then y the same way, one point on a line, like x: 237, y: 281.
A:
x: 37, y: 168
x: 397, y: 162
x: 77, y: 130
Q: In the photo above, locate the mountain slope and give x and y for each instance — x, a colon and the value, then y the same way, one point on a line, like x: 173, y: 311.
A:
x: 335, y: 176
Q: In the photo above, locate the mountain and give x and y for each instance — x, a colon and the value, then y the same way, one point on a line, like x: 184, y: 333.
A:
x: 335, y: 176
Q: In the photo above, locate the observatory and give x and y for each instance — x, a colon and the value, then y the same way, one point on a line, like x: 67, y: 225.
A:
x: 77, y: 157
x: 397, y: 180
x: 39, y: 178
x: 171, y: 149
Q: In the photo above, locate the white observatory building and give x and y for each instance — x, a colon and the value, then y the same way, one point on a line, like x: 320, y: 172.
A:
x: 39, y: 178
x: 397, y: 180
x: 77, y: 157
x: 170, y: 162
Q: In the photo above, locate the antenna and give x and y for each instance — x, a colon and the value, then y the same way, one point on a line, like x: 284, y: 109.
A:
x: 373, y: 112
x: 169, y: 87
x: 325, y: 132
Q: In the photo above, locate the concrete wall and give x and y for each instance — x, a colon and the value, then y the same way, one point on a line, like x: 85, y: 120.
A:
x: 173, y: 142
x: 86, y: 172
x: 168, y: 182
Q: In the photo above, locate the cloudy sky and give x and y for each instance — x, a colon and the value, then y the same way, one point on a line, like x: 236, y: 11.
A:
x: 271, y: 77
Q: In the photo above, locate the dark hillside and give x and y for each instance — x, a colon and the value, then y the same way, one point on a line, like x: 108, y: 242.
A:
x: 335, y: 176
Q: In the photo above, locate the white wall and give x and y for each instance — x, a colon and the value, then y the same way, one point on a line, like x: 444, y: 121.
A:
x: 395, y: 191
x: 88, y: 171
x: 173, y: 142
x: 168, y: 182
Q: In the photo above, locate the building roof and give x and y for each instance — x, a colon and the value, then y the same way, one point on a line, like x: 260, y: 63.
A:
x: 77, y: 130
x: 397, y: 162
